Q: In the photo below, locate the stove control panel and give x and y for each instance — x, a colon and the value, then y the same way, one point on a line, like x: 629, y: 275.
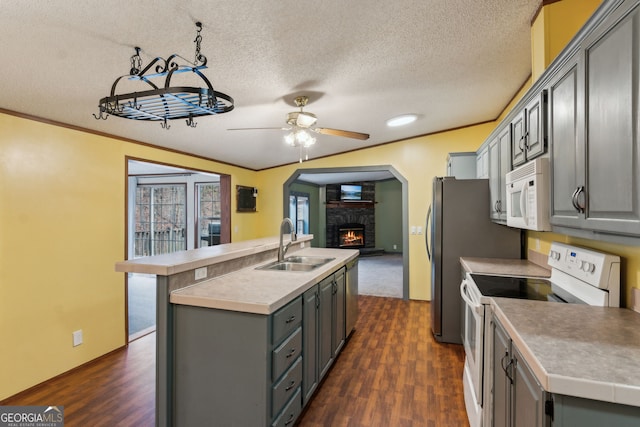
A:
x: 596, y: 268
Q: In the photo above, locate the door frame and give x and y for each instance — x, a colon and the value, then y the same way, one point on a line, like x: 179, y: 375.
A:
x: 405, y: 205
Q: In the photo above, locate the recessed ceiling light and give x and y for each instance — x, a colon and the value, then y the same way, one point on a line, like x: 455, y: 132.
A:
x: 402, y: 120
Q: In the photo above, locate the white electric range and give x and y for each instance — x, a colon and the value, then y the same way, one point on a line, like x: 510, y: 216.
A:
x: 578, y: 275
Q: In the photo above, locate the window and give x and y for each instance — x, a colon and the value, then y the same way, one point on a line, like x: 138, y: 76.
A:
x: 208, y: 221
x: 160, y: 219
x: 299, y: 211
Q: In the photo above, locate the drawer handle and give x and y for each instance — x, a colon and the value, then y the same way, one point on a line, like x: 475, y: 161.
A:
x: 290, y: 319
x: 291, y: 353
x: 290, y: 420
x: 291, y: 385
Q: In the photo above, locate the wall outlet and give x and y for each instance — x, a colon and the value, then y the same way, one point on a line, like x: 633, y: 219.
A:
x: 201, y: 273
x: 395, y: 247
x: 77, y: 338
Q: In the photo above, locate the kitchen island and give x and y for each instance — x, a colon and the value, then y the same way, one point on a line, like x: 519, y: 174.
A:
x: 230, y: 344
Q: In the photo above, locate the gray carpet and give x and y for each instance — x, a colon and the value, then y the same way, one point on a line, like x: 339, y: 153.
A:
x: 380, y: 275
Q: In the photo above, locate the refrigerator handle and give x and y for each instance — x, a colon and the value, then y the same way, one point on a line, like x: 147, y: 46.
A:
x: 426, y: 233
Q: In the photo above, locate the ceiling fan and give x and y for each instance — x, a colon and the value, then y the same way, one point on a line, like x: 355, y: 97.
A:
x: 306, y: 120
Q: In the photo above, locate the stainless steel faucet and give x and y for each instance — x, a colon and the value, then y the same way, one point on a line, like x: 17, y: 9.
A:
x: 282, y: 249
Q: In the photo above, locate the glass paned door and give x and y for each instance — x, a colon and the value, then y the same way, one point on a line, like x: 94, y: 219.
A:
x: 208, y: 221
x: 160, y: 219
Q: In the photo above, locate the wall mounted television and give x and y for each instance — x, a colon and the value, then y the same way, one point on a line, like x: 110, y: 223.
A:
x: 350, y: 192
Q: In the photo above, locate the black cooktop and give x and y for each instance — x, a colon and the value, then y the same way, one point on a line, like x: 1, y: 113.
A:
x: 515, y: 287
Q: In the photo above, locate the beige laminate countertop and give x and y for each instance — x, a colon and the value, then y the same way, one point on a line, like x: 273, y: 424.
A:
x: 503, y: 267
x: 178, y: 262
x: 577, y: 350
x: 261, y: 291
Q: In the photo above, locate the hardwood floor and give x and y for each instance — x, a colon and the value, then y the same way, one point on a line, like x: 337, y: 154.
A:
x: 391, y: 373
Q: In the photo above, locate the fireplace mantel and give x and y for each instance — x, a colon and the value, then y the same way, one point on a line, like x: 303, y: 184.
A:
x: 341, y: 204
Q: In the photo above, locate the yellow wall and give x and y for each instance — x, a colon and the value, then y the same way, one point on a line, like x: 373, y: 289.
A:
x: 62, y: 213
x: 418, y: 160
x: 554, y: 27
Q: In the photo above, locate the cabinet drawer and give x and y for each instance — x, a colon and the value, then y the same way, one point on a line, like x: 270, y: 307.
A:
x: 286, y: 353
x: 286, y: 320
x: 290, y: 412
x: 286, y: 387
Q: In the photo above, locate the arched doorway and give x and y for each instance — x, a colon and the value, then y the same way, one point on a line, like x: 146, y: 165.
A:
x: 322, y: 176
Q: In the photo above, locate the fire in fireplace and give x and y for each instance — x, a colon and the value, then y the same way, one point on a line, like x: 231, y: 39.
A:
x: 351, y: 235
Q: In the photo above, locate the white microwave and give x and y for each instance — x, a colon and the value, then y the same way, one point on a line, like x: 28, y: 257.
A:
x: 528, y: 196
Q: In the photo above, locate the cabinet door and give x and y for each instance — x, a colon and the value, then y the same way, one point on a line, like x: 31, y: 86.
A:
x: 338, y: 313
x: 499, y: 166
x: 611, y: 144
x: 501, y: 382
x: 518, y: 142
x: 535, y: 142
x: 482, y: 162
x: 310, y: 304
x: 504, y: 139
x: 494, y: 177
x: 565, y: 128
x: 528, y: 396
x: 325, y: 316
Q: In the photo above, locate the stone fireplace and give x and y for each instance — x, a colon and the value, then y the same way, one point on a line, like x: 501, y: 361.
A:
x: 356, y: 217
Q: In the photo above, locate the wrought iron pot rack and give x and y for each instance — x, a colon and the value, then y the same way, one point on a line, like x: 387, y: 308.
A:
x: 166, y: 102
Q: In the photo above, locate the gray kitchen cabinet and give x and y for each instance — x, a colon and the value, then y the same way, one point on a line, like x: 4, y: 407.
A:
x: 565, y: 131
x: 338, y: 306
x: 595, y: 151
x: 499, y: 165
x: 569, y: 411
x: 482, y: 162
x: 529, y: 131
x: 220, y: 368
x: 461, y: 165
x: 325, y: 325
x: 310, y: 305
x: 324, y: 329
x: 518, y: 399
x: 501, y: 384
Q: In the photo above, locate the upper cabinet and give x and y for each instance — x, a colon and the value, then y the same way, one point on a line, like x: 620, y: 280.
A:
x: 499, y: 165
x: 482, y: 162
x: 565, y: 130
x: 528, y: 131
x: 593, y: 129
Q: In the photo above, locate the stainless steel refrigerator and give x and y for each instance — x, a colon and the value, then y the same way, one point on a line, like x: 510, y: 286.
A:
x: 458, y: 225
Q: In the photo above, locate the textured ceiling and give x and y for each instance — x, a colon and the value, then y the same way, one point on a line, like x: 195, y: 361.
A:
x: 452, y: 62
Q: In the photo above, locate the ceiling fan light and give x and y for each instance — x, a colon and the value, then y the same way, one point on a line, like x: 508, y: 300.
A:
x: 402, y: 120
x: 305, y: 119
x: 290, y: 139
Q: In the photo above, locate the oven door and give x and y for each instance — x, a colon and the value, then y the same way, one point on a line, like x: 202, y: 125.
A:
x: 472, y: 335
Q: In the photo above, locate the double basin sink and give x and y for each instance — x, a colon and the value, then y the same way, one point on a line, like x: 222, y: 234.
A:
x: 296, y: 263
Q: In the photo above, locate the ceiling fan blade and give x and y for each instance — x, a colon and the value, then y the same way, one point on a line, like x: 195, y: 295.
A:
x: 280, y: 128
x: 345, y: 133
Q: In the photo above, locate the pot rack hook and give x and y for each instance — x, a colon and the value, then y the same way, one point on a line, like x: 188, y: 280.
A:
x: 101, y: 115
x: 136, y: 62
